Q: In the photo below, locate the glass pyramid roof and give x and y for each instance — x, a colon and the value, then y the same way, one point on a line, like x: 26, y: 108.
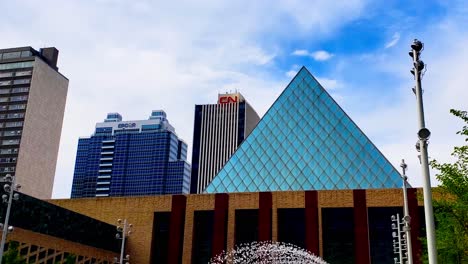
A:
x: 305, y: 141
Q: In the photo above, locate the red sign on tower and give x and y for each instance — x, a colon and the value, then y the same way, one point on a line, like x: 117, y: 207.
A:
x: 227, y: 99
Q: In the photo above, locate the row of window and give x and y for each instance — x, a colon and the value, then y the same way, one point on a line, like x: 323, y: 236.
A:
x: 151, y: 127
x: 126, y: 131
x: 11, y: 116
x: 7, y: 160
x: 16, y: 65
x: 49, y: 219
x: 17, y: 81
x: 17, y: 74
x: 14, y: 99
x: 12, y: 107
x: 11, y: 124
x: 11, y: 133
x: 15, y: 90
x: 7, y: 169
x: 10, y: 142
x: 15, y: 54
x: 9, y: 151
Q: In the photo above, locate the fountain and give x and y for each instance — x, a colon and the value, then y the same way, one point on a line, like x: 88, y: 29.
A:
x: 267, y: 252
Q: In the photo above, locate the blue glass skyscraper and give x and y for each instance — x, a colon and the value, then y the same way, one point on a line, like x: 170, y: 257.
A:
x: 130, y: 158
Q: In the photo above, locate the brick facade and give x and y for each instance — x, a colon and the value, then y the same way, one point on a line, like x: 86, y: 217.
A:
x: 140, y: 212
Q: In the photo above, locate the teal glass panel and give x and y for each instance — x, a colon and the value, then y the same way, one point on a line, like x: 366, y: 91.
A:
x: 305, y: 141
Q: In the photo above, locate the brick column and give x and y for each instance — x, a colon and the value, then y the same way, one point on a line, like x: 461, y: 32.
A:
x: 415, y: 225
x: 176, y: 229
x: 220, y: 223
x: 264, y: 216
x: 361, y: 232
x: 311, y: 222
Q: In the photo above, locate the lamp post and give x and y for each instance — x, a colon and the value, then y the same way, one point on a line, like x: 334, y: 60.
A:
x: 421, y: 146
x: 10, y: 187
x: 406, y: 217
x: 122, y: 233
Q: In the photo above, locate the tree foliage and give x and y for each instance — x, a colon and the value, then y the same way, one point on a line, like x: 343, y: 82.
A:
x: 12, y: 255
x: 451, y: 205
x: 70, y: 259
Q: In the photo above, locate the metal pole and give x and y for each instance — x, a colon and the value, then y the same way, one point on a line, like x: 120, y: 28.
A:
x: 7, y: 216
x: 423, y: 134
x: 124, y: 233
x: 407, y: 218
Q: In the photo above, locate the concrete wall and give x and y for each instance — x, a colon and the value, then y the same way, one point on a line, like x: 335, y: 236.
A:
x: 251, y: 119
x: 42, y: 128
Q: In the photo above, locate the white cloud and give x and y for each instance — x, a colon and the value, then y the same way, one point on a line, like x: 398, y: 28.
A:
x: 319, y: 55
x: 135, y: 56
x: 301, y: 52
x: 291, y: 73
x: 322, y: 16
x: 329, y: 84
x: 393, y: 41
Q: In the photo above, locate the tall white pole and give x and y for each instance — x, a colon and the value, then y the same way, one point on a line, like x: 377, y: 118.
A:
x: 423, y: 135
x: 406, y: 217
x: 7, y: 217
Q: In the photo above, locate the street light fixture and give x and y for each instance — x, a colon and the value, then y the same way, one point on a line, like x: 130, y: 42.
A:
x: 10, y: 188
x: 423, y: 135
x: 124, y: 229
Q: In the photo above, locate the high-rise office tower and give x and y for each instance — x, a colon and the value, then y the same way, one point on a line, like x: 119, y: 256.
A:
x: 219, y: 129
x: 32, y: 103
x: 130, y: 158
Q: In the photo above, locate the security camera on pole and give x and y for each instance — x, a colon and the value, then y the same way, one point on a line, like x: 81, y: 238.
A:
x: 9, y: 187
x: 423, y: 135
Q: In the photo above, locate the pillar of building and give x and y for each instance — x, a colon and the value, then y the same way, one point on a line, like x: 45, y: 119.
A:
x: 265, y: 216
x: 361, y: 231
x: 176, y: 229
x: 220, y: 223
x: 415, y: 225
x: 312, y: 225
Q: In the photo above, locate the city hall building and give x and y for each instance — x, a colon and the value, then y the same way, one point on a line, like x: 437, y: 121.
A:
x: 341, y: 226
x: 305, y: 175
x: 305, y: 141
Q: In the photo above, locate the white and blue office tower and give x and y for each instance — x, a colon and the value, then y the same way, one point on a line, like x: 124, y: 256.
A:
x: 131, y: 158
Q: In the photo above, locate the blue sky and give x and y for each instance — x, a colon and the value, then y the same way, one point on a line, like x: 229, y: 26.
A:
x: 133, y: 56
